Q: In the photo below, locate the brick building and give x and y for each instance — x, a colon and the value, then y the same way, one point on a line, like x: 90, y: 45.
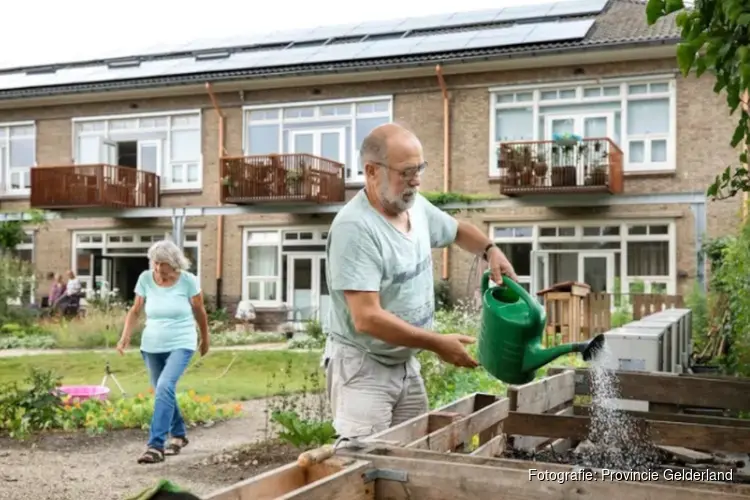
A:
x: 593, y: 68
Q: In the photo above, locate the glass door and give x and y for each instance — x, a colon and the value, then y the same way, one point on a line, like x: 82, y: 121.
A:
x: 597, y: 270
x: 326, y: 143
x: 300, y: 287
x: 307, y: 288
x: 539, y: 272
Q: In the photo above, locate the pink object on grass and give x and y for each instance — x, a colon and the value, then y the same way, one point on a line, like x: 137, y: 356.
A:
x: 84, y: 392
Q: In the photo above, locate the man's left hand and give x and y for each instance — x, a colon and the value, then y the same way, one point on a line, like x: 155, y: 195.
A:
x: 500, y: 265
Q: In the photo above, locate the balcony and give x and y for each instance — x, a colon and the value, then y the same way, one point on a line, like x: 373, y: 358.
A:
x: 282, y: 178
x: 93, y: 186
x: 558, y: 167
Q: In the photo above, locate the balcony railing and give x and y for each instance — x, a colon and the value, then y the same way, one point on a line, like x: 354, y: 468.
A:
x: 93, y: 186
x: 591, y: 165
x: 281, y: 178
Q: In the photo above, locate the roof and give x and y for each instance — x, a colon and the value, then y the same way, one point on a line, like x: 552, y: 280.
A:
x: 563, y: 26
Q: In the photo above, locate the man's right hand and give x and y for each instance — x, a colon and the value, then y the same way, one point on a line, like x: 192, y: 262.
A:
x: 451, y: 349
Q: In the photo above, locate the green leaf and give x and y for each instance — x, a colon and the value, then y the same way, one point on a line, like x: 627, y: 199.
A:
x: 744, y: 19
x: 673, y: 6
x: 685, y: 57
x: 654, y: 10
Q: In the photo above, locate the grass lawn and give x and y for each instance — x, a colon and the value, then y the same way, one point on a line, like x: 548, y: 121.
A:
x: 225, y: 375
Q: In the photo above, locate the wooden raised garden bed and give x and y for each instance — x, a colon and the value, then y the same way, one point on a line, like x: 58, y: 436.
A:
x: 472, y: 447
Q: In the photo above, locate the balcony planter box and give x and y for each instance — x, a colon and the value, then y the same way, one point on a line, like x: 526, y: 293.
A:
x: 563, y: 176
x: 597, y: 177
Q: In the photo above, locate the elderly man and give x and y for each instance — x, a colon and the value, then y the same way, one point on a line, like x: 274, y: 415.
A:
x: 381, y: 284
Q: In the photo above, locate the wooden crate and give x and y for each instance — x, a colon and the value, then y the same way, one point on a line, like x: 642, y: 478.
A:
x: 428, y: 457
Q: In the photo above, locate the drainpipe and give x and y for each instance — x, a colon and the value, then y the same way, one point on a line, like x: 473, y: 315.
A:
x: 220, y: 219
x: 446, y: 152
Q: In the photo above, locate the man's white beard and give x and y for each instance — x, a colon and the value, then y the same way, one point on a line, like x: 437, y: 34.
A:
x: 397, y: 204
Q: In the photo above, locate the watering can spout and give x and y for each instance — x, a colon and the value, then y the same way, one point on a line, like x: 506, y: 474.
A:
x: 537, y: 356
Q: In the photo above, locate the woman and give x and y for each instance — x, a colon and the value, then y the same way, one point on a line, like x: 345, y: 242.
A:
x: 174, y: 304
x: 56, y: 289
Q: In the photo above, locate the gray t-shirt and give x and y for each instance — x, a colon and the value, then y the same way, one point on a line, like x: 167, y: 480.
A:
x: 366, y: 253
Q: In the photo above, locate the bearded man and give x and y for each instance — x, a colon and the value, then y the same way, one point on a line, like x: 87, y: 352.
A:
x: 379, y: 274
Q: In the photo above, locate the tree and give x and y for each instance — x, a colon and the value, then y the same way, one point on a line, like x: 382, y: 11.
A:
x: 716, y: 39
x: 12, y: 232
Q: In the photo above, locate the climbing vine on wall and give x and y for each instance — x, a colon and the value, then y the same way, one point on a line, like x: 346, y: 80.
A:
x: 440, y: 199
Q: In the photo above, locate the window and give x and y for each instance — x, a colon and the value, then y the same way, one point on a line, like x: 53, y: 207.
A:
x: 168, y: 145
x: 330, y: 129
x: 623, y: 258
x: 262, y: 267
x: 118, y: 256
x: 17, y: 157
x: 27, y: 288
x: 637, y: 117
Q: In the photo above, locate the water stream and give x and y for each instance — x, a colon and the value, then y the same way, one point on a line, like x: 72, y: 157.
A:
x: 615, y: 441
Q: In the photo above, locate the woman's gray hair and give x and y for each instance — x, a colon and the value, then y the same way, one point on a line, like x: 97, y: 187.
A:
x: 167, y: 252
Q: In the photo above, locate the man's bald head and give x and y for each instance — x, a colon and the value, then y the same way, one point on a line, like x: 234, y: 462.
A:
x: 375, y: 147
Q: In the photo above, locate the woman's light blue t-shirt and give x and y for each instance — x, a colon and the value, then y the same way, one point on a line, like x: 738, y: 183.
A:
x: 170, y: 323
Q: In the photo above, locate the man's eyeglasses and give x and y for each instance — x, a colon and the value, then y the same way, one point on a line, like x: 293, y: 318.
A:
x: 407, y: 173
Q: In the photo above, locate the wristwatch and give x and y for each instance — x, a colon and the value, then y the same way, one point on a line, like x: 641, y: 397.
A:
x: 487, y: 249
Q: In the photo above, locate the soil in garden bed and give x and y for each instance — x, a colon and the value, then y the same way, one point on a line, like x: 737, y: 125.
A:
x: 237, y: 464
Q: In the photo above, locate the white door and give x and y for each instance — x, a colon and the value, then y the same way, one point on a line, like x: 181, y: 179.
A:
x: 149, y: 156
x: 326, y: 143
x: 539, y: 272
x: 109, y: 152
x: 587, y: 126
x: 307, y: 290
x: 597, y: 269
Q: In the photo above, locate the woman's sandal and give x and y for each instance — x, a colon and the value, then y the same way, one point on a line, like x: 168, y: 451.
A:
x: 151, y: 456
x: 176, y: 445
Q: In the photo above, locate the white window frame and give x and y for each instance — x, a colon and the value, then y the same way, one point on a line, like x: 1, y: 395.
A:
x: 165, y: 167
x: 351, y: 174
x: 109, y: 249
x: 279, y: 243
x: 5, y: 167
x: 498, y: 101
x: 670, y: 280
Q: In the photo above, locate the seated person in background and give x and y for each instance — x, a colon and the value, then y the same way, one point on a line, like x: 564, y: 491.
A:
x: 72, y: 294
x: 56, y: 289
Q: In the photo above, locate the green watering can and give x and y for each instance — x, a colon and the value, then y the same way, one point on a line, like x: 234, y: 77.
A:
x: 510, y: 339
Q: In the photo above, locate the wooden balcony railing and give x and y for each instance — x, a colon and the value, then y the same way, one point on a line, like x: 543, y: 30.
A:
x: 549, y: 167
x: 93, y: 186
x: 281, y: 178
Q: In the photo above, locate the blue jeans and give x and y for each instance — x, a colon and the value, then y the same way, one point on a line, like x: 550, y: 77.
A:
x: 165, y: 369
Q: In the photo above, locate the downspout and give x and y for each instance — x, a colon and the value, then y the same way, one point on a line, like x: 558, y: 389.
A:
x: 446, y: 152
x: 220, y: 219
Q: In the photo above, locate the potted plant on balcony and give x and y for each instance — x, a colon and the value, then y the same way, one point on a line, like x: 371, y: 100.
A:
x: 541, y: 167
x: 597, y: 176
x: 565, y: 173
x: 231, y: 185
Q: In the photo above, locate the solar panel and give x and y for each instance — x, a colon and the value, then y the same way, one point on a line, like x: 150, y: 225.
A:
x: 377, y: 27
x: 333, y: 53
x: 577, y: 7
x: 524, y: 12
x: 475, y: 17
x: 558, y: 31
x: 503, y: 37
x: 386, y: 48
x: 242, y: 60
x: 337, y: 31
x: 419, y: 23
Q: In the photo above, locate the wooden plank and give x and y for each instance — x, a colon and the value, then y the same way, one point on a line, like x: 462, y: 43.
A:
x: 418, y: 427
x: 686, y: 454
x: 673, y: 389
x: 540, y: 396
x: 318, y: 482
x: 703, y: 437
x: 448, y: 480
x: 451, y: 436
x: 524, y: 465
x: 585, y: 410
x: 491, y: 448
x: 543, y: 394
